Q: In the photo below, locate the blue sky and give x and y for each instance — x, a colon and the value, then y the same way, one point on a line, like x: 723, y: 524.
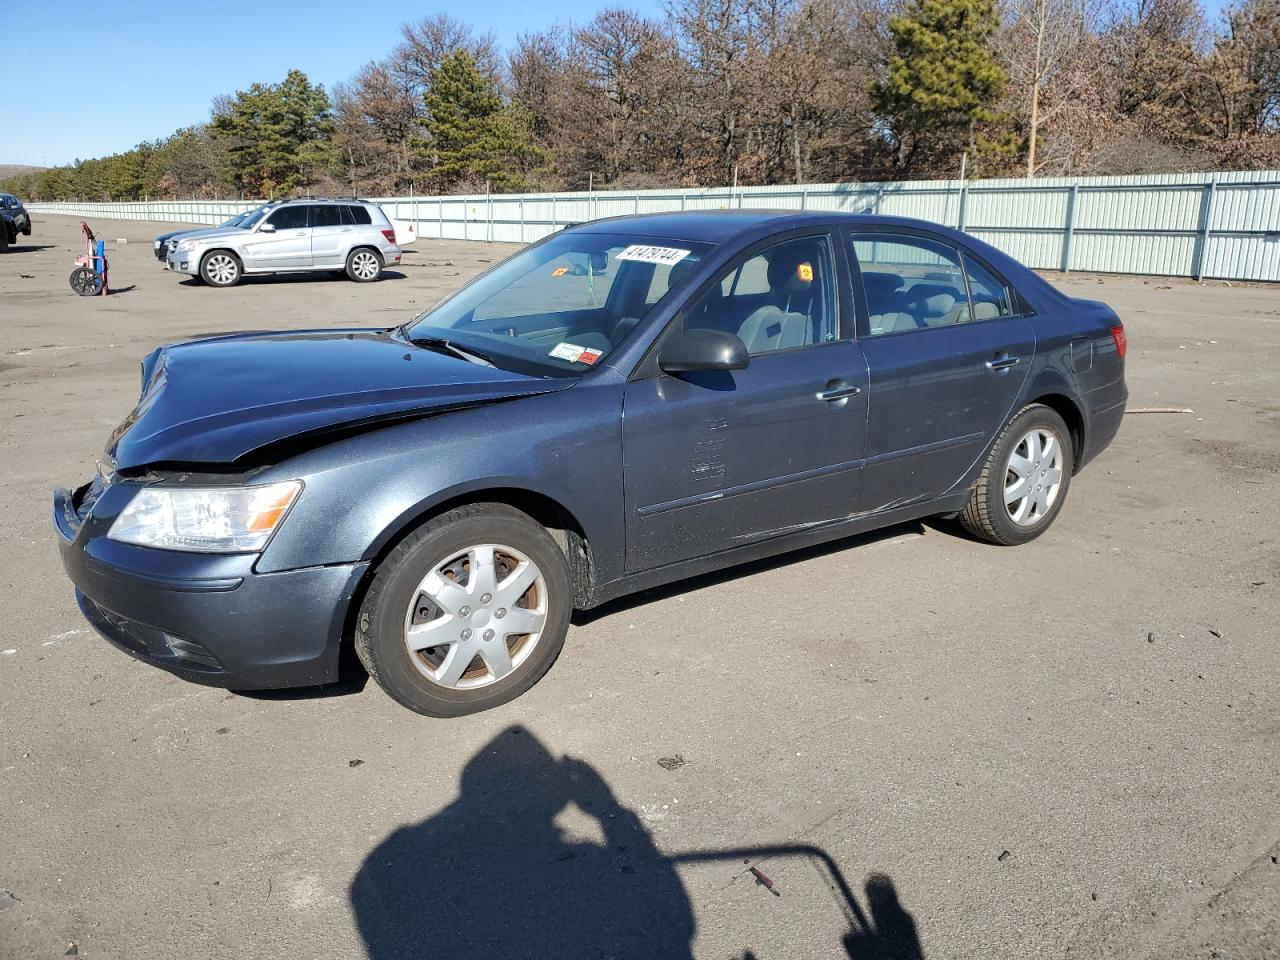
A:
x: 98, y: 78
x: 131, y: 70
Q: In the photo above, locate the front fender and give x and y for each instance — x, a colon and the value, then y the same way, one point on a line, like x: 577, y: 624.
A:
x: 365, y: 490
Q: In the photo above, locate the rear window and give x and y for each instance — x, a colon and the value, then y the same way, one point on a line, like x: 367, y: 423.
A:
x: 359, y: 215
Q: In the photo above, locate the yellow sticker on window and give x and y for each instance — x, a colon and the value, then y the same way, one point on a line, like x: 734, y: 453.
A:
x: 559, y: 271
x: 805, y: 272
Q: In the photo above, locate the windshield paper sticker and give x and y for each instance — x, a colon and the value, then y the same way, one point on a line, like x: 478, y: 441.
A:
x: 663, y: 255
x: 576, y: 354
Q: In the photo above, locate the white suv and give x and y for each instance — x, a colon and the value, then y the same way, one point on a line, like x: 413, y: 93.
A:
x: 340, y: 236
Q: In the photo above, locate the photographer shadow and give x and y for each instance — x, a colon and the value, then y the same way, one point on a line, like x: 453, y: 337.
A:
x: 508, y: 871
x: 494, y: 876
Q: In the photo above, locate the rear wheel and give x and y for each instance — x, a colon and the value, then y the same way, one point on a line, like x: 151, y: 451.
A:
x: 220, y: 268
x: 467, y: 613
x: 364, y: 265
x: 1025, y: 480
x: 4, y: 237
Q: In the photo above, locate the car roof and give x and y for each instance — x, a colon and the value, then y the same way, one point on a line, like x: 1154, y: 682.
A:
x: 718, y: 226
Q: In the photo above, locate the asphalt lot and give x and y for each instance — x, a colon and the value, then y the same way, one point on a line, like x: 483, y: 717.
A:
x: 1070, y: 748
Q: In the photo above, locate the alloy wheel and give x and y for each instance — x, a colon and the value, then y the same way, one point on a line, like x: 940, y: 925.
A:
x: 1033, y: 477
x: 476, y: 617
x: 364, y: 265
x: 221, y: 269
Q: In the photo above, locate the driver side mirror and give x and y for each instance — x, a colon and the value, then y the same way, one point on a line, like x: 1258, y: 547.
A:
x: 694, y: 350
x: 267, y: 228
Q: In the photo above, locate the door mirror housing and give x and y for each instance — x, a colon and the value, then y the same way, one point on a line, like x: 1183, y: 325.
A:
x: 267, y: 228
x: 693, y: 350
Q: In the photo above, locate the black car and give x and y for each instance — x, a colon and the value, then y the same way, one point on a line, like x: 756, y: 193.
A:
x: 14, y: 220
x: 623, y: 404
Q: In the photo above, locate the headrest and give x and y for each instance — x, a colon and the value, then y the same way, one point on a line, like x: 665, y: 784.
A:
x: 880, y: 286
x: 680, y: 273
x: 791, y: 266
x: 933, y: 298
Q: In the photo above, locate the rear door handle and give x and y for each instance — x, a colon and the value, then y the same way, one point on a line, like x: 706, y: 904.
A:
x: 838, y: 393
x: 1003, y: 363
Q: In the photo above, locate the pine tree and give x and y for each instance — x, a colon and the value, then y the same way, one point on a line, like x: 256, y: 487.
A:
x: 472, y: 136
x: 277, y: 135
x: 942, y: 82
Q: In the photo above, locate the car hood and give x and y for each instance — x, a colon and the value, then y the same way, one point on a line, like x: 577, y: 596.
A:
x: 220, y: 401
x: 202, y: 232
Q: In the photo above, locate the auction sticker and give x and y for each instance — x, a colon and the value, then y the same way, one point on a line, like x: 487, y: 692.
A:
x: 576, y: 354
x: 646, y: 254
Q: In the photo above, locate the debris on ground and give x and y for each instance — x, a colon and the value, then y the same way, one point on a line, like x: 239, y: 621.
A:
x: 73, y: 950
x: 1004, y: 855
x: 672, y: 763
x: 764, y: 881
x: 354, y: 763
x: 1215, y: 633
x: 1151, y: 637
x: 7, y: 899
x: 1160, y: 410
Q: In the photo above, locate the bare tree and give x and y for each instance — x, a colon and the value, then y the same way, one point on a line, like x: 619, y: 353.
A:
x: 1048, y: 43
x: 426, y: 43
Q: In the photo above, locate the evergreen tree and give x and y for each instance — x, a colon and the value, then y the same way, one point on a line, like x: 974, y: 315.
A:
x: 277, y: 135
x: 472, y: 136
x: 942, y: 83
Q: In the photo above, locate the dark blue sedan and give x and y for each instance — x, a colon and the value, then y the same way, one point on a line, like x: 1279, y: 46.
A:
x: 626, y: 403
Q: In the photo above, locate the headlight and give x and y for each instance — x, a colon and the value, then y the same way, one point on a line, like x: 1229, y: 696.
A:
x: 205, y: 519
x: 186, y: 245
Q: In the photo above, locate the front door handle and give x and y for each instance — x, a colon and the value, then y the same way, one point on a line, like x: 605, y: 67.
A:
x: 1003, y: 363
x: 838, y: 391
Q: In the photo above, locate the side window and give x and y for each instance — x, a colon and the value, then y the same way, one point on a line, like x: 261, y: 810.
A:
x: 326, y: 216
x: 990, y: 297
x: 911, y: 283
x: 289, y: 218
x: 781, y: 298
x: 360, y: 215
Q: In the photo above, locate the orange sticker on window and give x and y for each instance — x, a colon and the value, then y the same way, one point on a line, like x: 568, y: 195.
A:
x: 805, y: 272
x: 559, y: 271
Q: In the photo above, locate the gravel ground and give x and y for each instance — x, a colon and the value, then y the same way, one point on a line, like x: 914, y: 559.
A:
x: 930, y: 746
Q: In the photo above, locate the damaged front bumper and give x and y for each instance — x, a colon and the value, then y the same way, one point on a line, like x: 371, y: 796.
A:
x: 208, y: 618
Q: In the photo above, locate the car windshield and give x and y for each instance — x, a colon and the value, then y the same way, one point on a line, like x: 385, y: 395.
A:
x: 234, y: 221
x: 251, y: 218
x: 558, y: 308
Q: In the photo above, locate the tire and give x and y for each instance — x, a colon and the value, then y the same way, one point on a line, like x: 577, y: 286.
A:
x: 221, y: 268
x: 85, y: 282
x: 990, y: 515
x: 433, y: 584
x: 4, y: 238
x: 364, y: 265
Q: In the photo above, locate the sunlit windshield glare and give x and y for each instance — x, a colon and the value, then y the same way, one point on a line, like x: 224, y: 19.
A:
x: 252, y: 217
x: 561, y: 307
x: 235, y: 221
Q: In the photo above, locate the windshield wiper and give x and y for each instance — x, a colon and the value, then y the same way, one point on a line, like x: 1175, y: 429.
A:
x: 441, y: 345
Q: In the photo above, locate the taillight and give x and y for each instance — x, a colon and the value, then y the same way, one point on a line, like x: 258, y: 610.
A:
x: 1122, y: 343
x: 391, y: 238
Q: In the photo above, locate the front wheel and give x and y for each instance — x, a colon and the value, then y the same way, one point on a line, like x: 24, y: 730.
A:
x: 1025, y: 480
x: 364, y: 265
x: 220, y: 269
x: 467, y: 613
